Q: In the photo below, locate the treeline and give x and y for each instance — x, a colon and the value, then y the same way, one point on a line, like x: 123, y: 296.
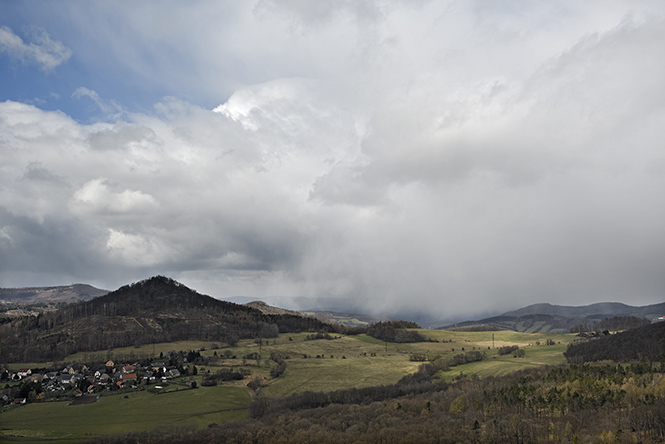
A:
x: 508, y: 349
x: 442, y: 364
x: 578, y: 403
x: 408, y: 385
x: 617, y: 323
x: 320, y: 335
x: 647, y: 341
x: 476, y: 328
x: 395, y: 331
x: 225, y: 374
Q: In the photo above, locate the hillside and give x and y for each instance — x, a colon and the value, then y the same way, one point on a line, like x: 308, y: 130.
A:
x: 548, y: 318
x: 631, y: 345
x: 43, y: 295
x: 349, y: 320
x: 606, y: 309
x: 270, y: 310
x: 536, y: 323
x: 155, y: 310
x: 17, y: 302
x: 331, y: 317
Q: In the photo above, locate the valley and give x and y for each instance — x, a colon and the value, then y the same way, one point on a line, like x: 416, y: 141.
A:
x: 320, y: 365
x: 157, y: 362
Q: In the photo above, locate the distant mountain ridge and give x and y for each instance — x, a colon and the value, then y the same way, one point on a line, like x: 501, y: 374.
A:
x: 593, y: 310
x: 55, y: 294
x: 347, y: 319
x: 542, y: 317
x: 548, y: 318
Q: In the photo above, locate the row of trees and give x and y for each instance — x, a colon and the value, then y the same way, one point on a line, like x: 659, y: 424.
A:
x: 395, y: 331
x: 442, y: 364
x: 631, y: 345
x: 224, y: 374
x: 617, y: 323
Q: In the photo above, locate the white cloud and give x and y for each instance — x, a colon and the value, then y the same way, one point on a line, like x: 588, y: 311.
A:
x: 136, y: 250
x: 96, y: 197
x: 42, y: 50
x: 444, y: 157
x: 103, y: 105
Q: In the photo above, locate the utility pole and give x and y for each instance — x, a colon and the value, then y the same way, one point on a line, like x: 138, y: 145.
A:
x: 492, y: 340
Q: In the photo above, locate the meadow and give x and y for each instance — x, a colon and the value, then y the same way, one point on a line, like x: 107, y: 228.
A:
x: 124, y: 412
x: 311, y: 365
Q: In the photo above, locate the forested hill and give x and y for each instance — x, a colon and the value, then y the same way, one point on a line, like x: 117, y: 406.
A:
x: 603, y: 309
x: 155, y: 310
x: 644, y: 342
x: 158, y: 295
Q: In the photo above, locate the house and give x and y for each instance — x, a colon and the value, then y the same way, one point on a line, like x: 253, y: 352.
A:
x: 37, y: 377
x: 23, y: 373
x: 129, y: 378
x: 68, y: 379
x: 173, y: 373
x: 76, y: 369
x: 129, y: 369
x: 110, y: 364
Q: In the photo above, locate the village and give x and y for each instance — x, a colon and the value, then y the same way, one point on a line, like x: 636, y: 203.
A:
x: 75, y: 380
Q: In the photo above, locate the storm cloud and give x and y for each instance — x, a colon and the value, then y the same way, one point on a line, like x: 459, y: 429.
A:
x: 447, y: 158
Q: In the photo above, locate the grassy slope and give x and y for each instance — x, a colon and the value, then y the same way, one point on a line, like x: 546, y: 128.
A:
x: 116, y: 414
x: 139, y: 352
x: 497, y: 365
x: 357, y: 361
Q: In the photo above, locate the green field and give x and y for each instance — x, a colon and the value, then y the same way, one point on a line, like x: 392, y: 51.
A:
x: 139, y: 352
x: 314, y: 365
x: 115, y: 414
x: 497, y: 365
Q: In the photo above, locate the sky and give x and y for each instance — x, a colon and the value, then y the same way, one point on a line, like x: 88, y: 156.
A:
x: 411, y: 158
